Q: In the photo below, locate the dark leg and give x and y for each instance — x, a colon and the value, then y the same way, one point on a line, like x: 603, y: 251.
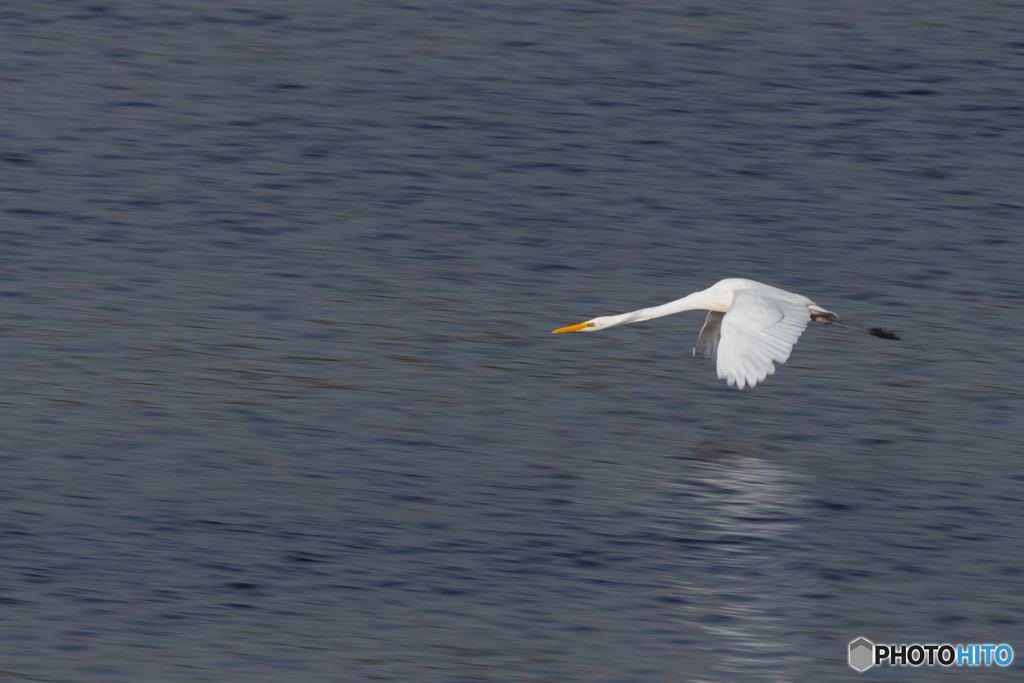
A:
x: 876, y: 331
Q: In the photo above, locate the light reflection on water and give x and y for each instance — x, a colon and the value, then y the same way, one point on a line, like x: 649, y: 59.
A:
x: 753, y: 509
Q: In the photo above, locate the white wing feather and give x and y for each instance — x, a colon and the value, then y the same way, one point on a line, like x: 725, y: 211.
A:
x: 710, y: 335
x: 757, y: 330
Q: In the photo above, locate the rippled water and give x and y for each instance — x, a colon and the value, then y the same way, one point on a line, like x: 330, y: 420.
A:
x: 280, y: 400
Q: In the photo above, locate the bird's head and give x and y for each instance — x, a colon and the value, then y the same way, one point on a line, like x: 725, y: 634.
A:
x: 590, y: 326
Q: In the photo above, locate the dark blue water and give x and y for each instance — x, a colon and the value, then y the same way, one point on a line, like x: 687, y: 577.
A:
x: 279, y: 398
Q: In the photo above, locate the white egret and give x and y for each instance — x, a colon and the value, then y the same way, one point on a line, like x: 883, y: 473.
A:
x: 750, y: 326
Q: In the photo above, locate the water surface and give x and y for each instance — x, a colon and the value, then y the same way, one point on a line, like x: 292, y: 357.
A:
x: 279, y: 395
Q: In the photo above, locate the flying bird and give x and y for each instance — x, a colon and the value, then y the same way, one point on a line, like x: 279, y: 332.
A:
x: 750, y: 326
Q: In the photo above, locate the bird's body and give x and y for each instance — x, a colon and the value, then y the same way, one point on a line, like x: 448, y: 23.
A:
x: 750, y: 326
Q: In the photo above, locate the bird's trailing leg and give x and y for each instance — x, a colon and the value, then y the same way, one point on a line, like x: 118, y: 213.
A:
x: 876, y: 331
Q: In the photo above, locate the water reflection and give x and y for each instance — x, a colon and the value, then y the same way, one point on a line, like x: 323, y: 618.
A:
x: 746, y: 594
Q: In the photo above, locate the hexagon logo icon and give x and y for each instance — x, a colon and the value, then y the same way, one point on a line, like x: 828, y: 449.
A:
x: 862, y: 654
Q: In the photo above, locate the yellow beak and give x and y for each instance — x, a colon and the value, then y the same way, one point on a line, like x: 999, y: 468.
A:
x: 573, y: 328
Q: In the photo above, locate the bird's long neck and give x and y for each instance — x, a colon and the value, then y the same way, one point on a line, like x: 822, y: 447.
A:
x: 698, y: 301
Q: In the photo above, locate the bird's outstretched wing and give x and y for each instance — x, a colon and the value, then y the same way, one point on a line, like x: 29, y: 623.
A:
x: 756, y: 331
x: 710, y: 335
